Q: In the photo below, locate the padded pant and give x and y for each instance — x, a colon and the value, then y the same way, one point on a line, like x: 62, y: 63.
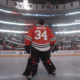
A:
x: 35, y: 57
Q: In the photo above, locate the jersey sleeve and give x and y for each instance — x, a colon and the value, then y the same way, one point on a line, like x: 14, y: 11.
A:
x: 29, y: 37
x: 52, y: 37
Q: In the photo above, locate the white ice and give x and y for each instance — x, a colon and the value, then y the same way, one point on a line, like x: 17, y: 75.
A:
x: 67, y: 68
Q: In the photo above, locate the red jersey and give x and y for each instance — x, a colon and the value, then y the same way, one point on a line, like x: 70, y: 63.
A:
x: 40, y: 37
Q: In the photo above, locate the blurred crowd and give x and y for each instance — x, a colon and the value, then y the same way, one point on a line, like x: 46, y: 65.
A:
x: 68, y: 41
x: 11, y: 41
x: 15, y: 41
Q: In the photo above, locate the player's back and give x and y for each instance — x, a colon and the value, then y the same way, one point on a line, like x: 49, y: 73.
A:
x: 41, y: 35
x: 41, y: 38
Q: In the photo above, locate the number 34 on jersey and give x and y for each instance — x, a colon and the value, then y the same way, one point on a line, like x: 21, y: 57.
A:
x: 39, y: 35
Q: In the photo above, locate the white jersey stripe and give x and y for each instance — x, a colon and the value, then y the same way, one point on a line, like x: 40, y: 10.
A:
x: 41, y: 44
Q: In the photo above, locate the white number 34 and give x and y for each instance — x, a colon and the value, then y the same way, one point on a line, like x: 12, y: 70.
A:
x: 39, y: 35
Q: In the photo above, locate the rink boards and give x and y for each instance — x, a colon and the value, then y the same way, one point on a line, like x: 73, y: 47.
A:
x: 24, y: 54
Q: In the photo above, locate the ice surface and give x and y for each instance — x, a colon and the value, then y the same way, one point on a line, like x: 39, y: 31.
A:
x: 67, y: 68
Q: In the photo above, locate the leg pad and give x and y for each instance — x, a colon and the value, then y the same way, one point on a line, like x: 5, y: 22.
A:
x: 32, y: 67
x: 49, y: 66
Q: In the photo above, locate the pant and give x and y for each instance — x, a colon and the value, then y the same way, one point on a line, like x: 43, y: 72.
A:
x: 34, y: 59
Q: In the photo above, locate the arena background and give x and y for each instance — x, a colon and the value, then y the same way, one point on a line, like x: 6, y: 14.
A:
x: 18, y: 16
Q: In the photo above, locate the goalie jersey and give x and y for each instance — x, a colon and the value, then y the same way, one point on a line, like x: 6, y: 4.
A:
x: 40, y: 37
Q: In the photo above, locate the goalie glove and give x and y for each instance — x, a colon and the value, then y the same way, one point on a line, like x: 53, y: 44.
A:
x: 54, y: 48
x: 27, y: 49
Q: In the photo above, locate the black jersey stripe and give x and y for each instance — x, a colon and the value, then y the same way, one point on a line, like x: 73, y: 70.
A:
x: 43, y: 45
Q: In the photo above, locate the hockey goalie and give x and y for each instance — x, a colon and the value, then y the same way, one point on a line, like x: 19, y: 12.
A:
x: 38, y: 43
